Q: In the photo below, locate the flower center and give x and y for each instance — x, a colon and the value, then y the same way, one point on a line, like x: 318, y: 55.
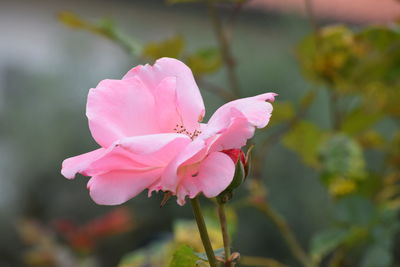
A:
x: 179, y: 128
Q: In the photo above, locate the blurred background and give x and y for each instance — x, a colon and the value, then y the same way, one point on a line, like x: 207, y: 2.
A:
x: 47, y: 68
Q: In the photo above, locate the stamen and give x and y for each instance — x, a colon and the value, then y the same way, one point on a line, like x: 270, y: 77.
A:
x: 181, y: 129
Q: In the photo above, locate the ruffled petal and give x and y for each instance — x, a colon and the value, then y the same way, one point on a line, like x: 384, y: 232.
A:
x: 191, y: 154
x: 120, y: 108
x: 189, y: 102
x: 117, y: 187
x: 138, y: 153
x: 213, y: 176
x: 127, y: 167
x: 234, y: 123
x: 72, y: 166
x: 256, y: 109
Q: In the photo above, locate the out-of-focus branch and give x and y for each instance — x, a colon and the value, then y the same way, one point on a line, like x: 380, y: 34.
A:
x: 224, y: 48
x: 258, y: 199
x: 337, y: 257
x: 233, y: 18
x: 103, y: 28
x: 286, y: 233
x: 311, y: 15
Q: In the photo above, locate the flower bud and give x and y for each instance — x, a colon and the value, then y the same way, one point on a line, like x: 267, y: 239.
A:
x: 241, y: 171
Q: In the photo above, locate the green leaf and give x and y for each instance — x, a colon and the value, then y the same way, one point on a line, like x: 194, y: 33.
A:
x: 371, y: 139
x: 156, y: 254
x: 354, y: 210
x: 327, y: 58
x: 72, y: 20
x: 364, y: 62
x: 105, y: 28
x: 305, y: 139
x: 201, y: 263
x: 326, y: 241
x: 171, y: 47
x: 186, y: 232
x: 341, y: 158
x: 183, y: 256
x: 360, y: 120
x: 204, y: 61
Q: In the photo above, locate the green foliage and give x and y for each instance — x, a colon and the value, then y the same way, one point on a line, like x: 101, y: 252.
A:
x: 305, y: 139
x: 171, y: 47
x: 283, y: 111
x: 183, y: 256
x: 354, y: 210
x: 394, y: 152
x: 326, y: 241
x: 104, y: 28
x: 201, y: 62
x: 361, y: 65
x: 328, y: 57
x: 204, y: 61
x: 371, y: 139
x: 185, y: 248
x: 156, y: 254
x: 186, y: 232
x: 364, y: 62
x: 359, y: 120
x: 342, y: 164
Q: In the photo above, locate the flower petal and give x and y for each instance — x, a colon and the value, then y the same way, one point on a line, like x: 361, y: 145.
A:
x: 72, y: 166
x: 138, y: 153
x: 189, y: 101
x: 256, y: 109
x: 117, y: 187
x: 233, y: 123
x: 214, y: 175
x: 192, y: 153
x: 120, y: 108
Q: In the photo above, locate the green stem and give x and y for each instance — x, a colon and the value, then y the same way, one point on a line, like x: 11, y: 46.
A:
x: 203, y: 231
x: 287, y: 234
x: 224, y: 48
x: 224, y: 230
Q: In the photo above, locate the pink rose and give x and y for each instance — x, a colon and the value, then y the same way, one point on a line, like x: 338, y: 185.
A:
x: 149, y: 128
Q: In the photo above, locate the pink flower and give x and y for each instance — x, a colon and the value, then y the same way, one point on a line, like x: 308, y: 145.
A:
x: 149, y: 128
